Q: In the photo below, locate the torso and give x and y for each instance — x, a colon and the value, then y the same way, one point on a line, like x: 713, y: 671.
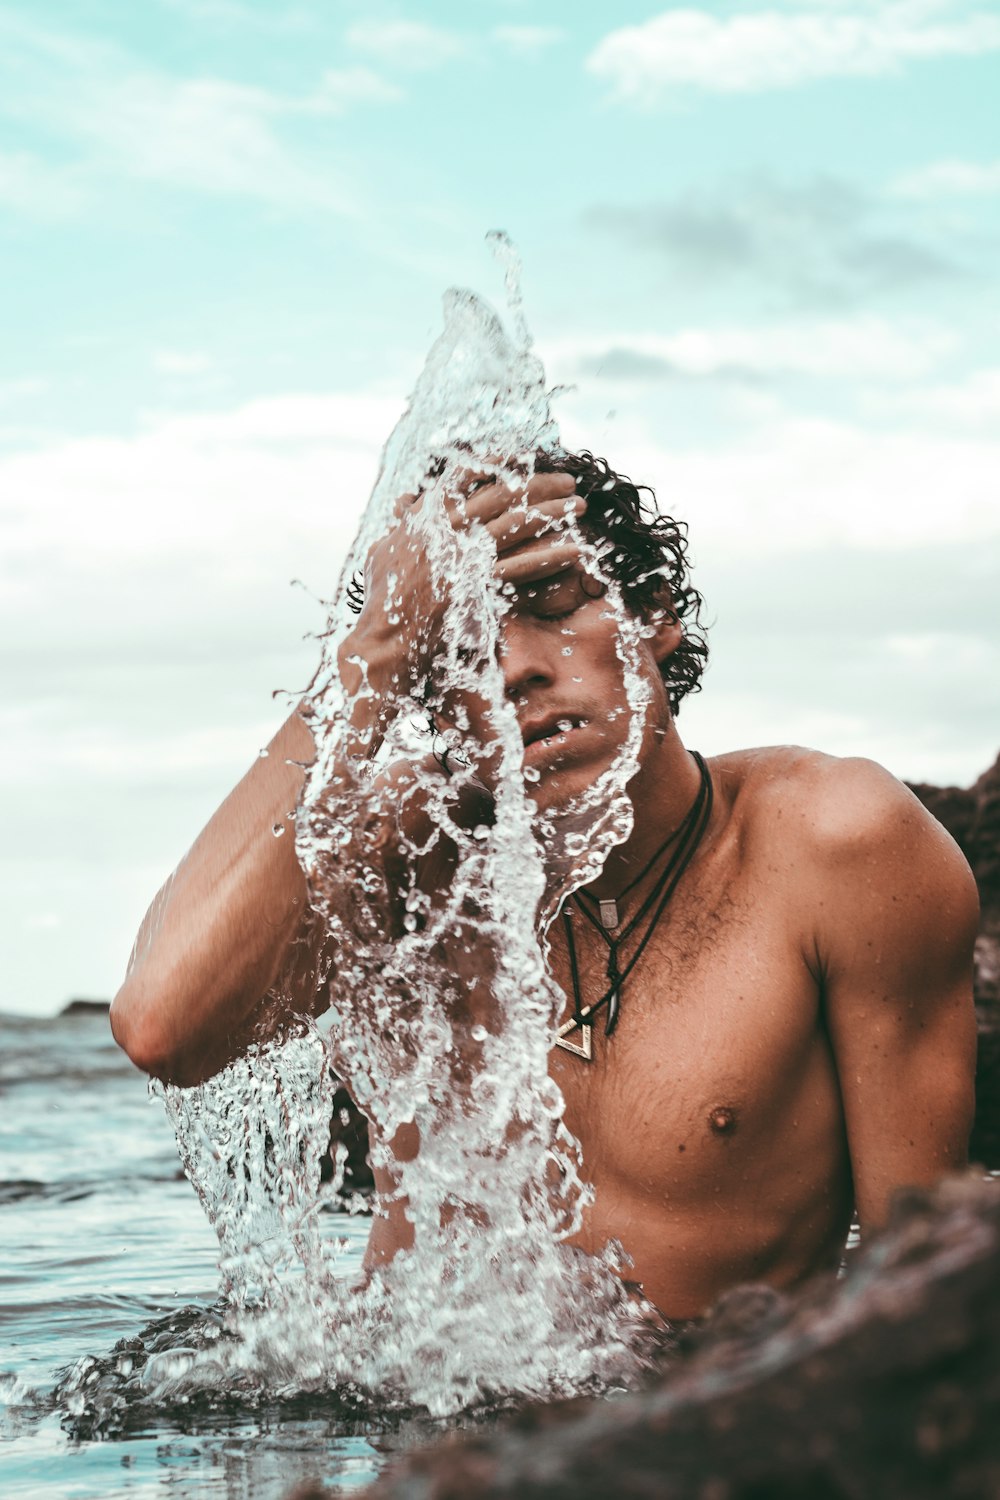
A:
x: 710, y: 1122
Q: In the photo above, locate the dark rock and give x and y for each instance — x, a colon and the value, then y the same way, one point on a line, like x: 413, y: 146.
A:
x: 972, y: 817
x: 86, y: 1008
x: 885, y: 1384
x: 349, y: 1130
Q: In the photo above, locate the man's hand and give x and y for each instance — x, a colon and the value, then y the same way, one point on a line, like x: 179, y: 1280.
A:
x: 399, y: 630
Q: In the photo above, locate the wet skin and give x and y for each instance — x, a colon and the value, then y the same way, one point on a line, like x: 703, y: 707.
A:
x: 798, y: 1035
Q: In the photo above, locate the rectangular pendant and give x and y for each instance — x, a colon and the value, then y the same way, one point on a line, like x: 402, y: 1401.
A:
x: 608, y: 912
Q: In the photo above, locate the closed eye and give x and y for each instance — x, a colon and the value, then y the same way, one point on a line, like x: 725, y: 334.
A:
x: 555, y: 599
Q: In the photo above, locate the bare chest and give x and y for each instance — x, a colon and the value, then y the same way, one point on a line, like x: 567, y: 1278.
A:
x: 718, y: 1027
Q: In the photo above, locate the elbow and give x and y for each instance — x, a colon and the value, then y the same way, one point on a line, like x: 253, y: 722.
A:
x: 134, y: 1033
x: 137, y: 1026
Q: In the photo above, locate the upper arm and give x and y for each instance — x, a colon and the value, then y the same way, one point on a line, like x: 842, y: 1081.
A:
x: 895, y: 925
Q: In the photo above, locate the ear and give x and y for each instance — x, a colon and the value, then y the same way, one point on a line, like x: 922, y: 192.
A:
x: 668, y: 629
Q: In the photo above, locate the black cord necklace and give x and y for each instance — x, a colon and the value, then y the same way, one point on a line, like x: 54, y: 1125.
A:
x: 686, y: 837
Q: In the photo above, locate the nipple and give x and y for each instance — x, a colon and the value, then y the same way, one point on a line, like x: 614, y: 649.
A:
x: 722, y: 1120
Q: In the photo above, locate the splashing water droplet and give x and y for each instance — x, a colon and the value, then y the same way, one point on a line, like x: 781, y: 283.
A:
x: 278, y: 829
x: 524, y: 1311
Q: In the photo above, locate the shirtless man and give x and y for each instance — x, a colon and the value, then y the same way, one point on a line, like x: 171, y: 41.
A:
x: 797, y: 1037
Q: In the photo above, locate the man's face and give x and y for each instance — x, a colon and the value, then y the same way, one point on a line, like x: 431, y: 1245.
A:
x: 563, y: 674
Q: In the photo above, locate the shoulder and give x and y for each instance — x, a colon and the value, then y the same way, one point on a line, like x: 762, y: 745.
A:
x: 850, y: 832
x: 838, y: 807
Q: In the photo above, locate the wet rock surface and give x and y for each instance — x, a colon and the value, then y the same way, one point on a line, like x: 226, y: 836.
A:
x: 884, y: 1384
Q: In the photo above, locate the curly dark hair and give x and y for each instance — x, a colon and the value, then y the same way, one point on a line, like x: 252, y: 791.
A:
x: 648, y: 558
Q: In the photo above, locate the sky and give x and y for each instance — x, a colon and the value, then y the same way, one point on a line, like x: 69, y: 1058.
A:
x: 760, y: 246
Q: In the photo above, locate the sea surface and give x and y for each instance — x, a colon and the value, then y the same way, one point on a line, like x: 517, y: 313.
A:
x: 103, y: 1243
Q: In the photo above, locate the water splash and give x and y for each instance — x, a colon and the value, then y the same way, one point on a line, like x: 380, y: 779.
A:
x: 443, y: 1008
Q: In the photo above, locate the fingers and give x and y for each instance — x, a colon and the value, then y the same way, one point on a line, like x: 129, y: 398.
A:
x: 478, y: 496
x: 516, y: 526
x: 539, y: 561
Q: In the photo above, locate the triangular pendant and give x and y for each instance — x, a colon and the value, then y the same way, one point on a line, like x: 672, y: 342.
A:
x: 585, y: 1047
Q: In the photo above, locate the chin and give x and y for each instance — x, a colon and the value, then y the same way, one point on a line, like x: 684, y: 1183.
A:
x: 559, y: 786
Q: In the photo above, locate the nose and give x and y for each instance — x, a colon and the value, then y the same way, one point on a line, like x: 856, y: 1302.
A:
x: 525, y: 658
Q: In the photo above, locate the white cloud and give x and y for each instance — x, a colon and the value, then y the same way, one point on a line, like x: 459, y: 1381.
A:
x: 249, y: 489
x: 207, y: 134
x: 792, y: 483
x: 125, y: 118
x: 179, y: 362
x: 147, y: 618
x: 528, y: 41
x: 773, y: 49
x: 857, y: 348
x: 31, y: 186
x: 17, y: 390
x: 408, y: 45
x: 343, y: 87
x: 973, y: 401
x: 950, y: 178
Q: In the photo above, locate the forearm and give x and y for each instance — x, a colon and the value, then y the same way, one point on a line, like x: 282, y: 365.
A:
x: 219, y: 933
x: 233, y: 922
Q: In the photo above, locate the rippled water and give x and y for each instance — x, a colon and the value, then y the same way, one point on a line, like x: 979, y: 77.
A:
x: 102, y: 1240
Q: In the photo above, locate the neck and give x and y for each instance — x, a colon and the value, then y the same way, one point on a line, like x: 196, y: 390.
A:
x: 661, y: 792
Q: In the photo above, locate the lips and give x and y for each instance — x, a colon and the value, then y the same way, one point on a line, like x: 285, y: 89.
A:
x: 552, y: 727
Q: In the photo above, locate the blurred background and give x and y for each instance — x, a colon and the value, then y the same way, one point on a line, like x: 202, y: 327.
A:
x: 760, y: 245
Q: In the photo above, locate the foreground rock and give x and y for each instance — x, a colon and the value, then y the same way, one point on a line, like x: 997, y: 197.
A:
x: 885, y: 1384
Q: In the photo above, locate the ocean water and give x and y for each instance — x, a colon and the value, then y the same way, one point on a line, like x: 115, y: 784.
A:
x: 103, y: 1243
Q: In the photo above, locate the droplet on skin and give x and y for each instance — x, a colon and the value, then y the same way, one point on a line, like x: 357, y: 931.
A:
x: 278, y: 830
